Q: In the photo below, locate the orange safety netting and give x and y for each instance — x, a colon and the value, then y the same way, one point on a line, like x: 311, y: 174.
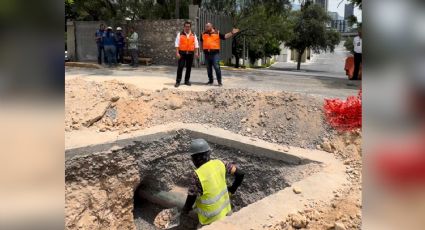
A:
x: 344, y: 115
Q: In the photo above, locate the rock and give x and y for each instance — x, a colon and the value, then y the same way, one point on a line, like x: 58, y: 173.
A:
x: 339, y: 226
x: 297, y: 190
x: 115, y: 98
x: 248, y: 130
x: 175, y: 104
x: 297, y: 221
x: 326, y: 146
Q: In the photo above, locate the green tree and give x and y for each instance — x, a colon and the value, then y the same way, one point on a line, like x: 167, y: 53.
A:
x: 264, y: 27
x: 310, y: 32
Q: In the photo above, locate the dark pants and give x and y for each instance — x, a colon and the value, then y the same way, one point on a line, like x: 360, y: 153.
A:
x: 212, y: 60
x: 134, y: 57
x: 186, y: 59
x: 100, y: 50
x: 110, y: 54
x: 120, y: 54
x: 357, y: 63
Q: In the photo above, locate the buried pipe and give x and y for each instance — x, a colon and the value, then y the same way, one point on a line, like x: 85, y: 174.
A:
x: 165, y: 199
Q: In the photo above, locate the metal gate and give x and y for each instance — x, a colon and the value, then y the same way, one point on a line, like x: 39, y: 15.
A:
x: 223, y: 23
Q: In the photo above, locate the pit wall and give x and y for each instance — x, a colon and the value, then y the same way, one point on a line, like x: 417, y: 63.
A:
x: 94, y: 202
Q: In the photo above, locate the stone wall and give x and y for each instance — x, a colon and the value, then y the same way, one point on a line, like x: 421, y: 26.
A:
x: 156, y: 39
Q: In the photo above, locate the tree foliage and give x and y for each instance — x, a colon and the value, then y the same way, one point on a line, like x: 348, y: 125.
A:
x: 119, y: 10
x: 263, y: 26
x: 310, y: 32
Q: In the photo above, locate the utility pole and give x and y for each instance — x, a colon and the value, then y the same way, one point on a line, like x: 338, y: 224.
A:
x: 177, y: 13
x: 243, y: 51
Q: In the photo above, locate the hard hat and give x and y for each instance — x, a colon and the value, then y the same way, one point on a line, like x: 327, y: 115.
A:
x: 199, y: 146
x: 119, y: 28
x: 109, y: 28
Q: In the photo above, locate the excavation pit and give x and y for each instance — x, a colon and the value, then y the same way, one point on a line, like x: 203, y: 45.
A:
x: 164, y: 168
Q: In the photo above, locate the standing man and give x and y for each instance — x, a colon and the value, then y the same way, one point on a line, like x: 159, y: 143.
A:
x: 357, y: 54
x: 98, y: 37
x: 186, y: 47
x: 109, y: 44
x: 211, y: 46
x: 120, y: 42
x: 208, y: 189
x: 133, y: 41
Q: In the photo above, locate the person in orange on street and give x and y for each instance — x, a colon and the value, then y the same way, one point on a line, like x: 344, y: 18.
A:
x: 186, y: 48
x: 211, y: 46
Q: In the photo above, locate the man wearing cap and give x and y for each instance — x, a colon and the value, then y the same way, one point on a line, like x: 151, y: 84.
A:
x: 208, y: 189
x: 109, y: 44
x: 120, y: 42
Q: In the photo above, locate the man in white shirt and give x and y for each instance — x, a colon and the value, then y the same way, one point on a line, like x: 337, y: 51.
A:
x: 357, y: 54
x: 133, y: 41
x: 187, y: 47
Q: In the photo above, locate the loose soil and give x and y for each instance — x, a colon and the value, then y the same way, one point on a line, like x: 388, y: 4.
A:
x: 277, y: 117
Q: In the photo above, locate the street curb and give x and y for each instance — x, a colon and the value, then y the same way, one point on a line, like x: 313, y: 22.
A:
x: 83, y: 65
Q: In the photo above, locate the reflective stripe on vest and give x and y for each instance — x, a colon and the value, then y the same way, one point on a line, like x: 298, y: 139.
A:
x: 187, y: 43
x: 214, y: 199
x: 214, y: 204
x: 210, y: 41
x: 212, y: 214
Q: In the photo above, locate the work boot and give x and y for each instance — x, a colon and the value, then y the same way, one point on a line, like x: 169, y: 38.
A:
x: 220, y: 84
x: 188, y: 83
x: 177, y: 85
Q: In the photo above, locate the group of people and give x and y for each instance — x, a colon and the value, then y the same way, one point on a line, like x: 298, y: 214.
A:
x: 111, y: 45
x: 187, y: 48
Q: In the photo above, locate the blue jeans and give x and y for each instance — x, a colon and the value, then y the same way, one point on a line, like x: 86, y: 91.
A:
x: 110, y: 54
x: 212, y: 60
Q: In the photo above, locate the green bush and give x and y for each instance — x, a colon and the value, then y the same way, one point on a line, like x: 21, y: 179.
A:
x: 348, y: 44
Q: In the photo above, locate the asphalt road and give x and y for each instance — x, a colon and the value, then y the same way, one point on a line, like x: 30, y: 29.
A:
x: 323, y: 77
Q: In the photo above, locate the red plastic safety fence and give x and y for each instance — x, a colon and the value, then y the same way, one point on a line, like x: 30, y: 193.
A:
x: 344, y: 115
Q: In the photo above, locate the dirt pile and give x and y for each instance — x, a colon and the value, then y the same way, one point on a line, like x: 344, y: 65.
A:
x: 167, y: 218
x: 344, y: 211
x: 278, y: 117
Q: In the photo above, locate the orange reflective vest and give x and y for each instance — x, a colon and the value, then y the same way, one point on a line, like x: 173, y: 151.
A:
x: 211, y: 41
x: 187, y: 43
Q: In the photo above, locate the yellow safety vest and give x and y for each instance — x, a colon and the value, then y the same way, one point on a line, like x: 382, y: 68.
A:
x: 214, y: 204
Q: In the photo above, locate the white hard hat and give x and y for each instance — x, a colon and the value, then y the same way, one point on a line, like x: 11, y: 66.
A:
x: 109, y: 28
x: 119, y: 28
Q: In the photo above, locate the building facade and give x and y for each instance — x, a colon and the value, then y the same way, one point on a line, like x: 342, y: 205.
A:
x: 349, y: 11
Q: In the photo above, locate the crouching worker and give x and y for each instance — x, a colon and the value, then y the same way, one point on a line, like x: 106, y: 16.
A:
x: 208, y: 189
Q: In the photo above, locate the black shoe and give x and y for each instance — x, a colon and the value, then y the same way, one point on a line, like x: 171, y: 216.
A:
x: 220, y: 84
x: 188, y: 83
x: 177, y: 85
